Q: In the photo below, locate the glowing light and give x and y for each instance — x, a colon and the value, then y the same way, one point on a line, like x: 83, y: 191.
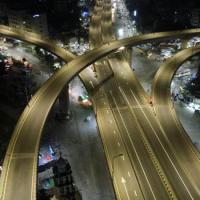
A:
x: 121, y: 32
x: 85, y: 14
x: 36, y: 15
x: 135, y: 13
x: 121, y: 48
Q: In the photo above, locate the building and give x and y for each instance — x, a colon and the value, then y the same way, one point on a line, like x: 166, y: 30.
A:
x: 3, y: 13
x: 61, y: 6
x: 28, y: 21
x: 24, y: 15
x: 195, y: 18
x: 3, y: 9
x: 55, y: 18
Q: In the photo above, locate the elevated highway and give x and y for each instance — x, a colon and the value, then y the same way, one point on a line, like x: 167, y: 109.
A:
x: 132, y: 123
x: 116, y: 121
x: 175, y: 136
x: 19, y: 170
x: 38, y: 40
x: 116, y: 153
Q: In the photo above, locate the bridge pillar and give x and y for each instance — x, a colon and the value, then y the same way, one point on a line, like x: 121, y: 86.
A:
x: 63, y: 99
x: 128, y: 55
x: 184, y: 42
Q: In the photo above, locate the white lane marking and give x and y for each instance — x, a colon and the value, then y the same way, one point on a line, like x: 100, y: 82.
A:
x: 129, y: 174
x: 138, y: 158
x: 111, y: 121
x: 124, y: 183
x: 114, y: 132
x: 135, y: 193
x: 118, y: 144
x: 162, y: 146
x: 107, y: 112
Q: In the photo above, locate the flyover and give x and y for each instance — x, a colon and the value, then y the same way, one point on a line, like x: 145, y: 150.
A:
x: 116, y: 152
x: 38, y: 40
x: 19, y: 173
x: 124, y: 102
x: 128, y: 160
x: 175, y: 134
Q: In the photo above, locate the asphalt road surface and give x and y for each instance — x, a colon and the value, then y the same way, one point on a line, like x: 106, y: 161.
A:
x: 19, y: 173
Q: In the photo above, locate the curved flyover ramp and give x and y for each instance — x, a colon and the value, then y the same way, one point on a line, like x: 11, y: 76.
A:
x: 174, y: 132
x: 18, y: 180
x: 46, y: 43
x: 36, y: 39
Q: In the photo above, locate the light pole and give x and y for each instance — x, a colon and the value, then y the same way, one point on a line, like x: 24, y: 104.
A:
x: 113, y: 159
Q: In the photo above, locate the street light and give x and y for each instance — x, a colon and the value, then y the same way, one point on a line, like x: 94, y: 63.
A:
x: 113, y: 159
x: 135, y: 13
x: 121, y: 48
x: 121, y: 32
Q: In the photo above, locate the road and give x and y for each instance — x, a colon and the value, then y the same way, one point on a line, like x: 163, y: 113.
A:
x: 114, y: 108
x: 19, y: 173
x: 128, y: 107
x: 122, y: 172
x: 178, y: 140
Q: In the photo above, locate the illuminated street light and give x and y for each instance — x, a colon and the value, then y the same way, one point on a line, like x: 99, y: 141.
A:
x: 121, y: 48
x: 135, y: 13
x: 36, y: 15
x: 121, y: 32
